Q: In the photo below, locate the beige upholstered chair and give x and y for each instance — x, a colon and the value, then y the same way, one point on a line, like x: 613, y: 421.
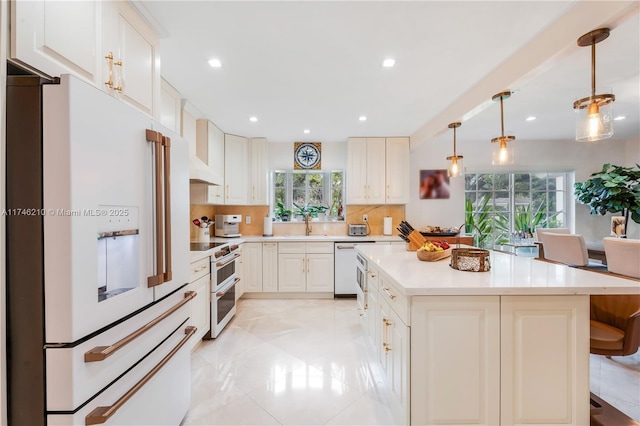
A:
x: 615, y: 324
x: 541, y: 232
x: 623, y: 256
x: 569, y: 249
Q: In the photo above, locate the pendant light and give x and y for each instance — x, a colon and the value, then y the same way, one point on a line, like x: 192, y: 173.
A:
x: 502, y: 154
x: 456, y: 160
x: 594, y: 113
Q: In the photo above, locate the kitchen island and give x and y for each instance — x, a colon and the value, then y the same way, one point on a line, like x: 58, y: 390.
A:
x: 509, y: 346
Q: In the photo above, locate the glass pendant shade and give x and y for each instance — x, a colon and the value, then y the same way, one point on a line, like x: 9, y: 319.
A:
x: 456, y: 165
x: 594, y: 113
x: 595, y: 121
x: 502, y: 153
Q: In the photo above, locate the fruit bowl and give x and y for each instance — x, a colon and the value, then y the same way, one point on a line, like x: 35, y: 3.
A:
x: 433, y: 256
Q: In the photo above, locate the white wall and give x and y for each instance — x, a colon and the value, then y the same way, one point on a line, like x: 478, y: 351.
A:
x: 334, y: 156
x: 583, y: 158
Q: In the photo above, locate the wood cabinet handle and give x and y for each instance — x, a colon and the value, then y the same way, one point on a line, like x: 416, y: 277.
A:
x: 100, y: 415
x: 100, y: 353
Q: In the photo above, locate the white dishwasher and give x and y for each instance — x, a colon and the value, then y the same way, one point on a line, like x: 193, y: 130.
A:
x: 345, y: 267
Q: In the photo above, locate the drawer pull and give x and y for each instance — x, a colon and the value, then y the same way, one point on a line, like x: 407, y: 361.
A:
x: 200, y: 269
x: 386, y: 290
x: 386, y: 322
x: 100, y: 353
x: 100, y: 415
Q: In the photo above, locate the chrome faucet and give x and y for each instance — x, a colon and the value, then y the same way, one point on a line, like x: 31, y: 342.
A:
x: 307, y: 228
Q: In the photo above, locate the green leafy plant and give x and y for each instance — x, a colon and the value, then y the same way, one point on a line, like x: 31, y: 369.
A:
x: 479, y: 223
x: 611, y: 190
x: 523, y: 220
x: 281, y: 212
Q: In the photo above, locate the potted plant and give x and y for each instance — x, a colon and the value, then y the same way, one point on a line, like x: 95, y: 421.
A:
x: 282, y: 213
x: 321, y: 212
x: 611, y: 190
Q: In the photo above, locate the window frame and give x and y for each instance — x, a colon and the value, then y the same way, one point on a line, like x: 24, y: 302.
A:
x: 327, y: 188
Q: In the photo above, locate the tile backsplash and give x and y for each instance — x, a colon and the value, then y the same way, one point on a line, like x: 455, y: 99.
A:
x: 376, y: 215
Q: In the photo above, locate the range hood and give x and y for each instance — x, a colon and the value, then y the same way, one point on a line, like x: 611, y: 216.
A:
x: 200, y: 173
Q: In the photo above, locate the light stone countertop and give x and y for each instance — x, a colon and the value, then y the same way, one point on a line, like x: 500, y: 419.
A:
x: 509, y: 275
x: 197, y: 255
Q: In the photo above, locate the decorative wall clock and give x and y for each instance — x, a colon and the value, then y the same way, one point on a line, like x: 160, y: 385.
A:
x: 306, y: 155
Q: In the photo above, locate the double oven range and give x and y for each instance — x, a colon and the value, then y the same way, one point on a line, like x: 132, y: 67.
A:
x: 223, y: 282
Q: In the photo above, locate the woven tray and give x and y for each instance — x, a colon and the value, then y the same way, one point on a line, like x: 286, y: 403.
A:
x: 432, y: 256
x: 473, y: 260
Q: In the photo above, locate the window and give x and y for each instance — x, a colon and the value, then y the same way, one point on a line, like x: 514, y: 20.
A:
x: 305, y: 187
x: 499, y: 204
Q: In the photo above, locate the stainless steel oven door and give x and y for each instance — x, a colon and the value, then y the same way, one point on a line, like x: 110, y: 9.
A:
x: 223, y: 307
x: 361, y: 280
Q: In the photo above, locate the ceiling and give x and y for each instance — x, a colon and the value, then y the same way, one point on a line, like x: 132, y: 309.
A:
x: 318, y: 65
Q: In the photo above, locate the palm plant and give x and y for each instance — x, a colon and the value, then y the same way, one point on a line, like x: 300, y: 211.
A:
x: 479, y: 223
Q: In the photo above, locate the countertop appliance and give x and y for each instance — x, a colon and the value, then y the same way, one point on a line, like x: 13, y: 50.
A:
x: 228, y: 225
x: 97, y: 259
x: 345, y: 278
x: 357, y: 229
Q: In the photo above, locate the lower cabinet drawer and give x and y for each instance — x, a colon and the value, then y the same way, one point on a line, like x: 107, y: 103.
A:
x: 155, y: 392
x: 199, y: 269
x: 398, y: 302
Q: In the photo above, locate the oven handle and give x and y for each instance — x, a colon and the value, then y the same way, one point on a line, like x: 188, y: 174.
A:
x: 100, y: 415
x: 100, y: 353
x: 222, y: 293
x: 223, y: 264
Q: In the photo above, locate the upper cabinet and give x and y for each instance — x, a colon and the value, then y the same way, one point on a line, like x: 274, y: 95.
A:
x: 397, y: 166
x: 377, y: 170
x: 105, y: 43
x: 235, y: 171
x: 258, y: 171
x: 170, y: 107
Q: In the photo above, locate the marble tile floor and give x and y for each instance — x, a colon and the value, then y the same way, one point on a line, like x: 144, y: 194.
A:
x: 306, y: 362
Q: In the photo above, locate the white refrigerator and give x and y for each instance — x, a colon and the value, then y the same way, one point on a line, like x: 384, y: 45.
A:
x: 98, y: 246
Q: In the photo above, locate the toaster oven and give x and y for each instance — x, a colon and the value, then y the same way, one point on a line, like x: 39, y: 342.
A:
x: 357, y: 229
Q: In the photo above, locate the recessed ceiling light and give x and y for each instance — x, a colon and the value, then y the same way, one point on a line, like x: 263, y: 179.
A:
x: 388, y: 63
x: 253, y: 119
x: 531, y: 118
x: 621, y: 117
x: 362, y: 118
x: 215, y: 63
x: 307, y: 131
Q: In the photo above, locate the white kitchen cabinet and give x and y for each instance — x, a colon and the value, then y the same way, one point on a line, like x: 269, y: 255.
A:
x: 543, y: 333
x: 292, y: 273
x: 209, y: 148
x: 170, y: 107
x: 372, y: 312
x: 252, y: 267
x: 188, y: 126
x: 397, y: 377
x: 57, y: 37
x: 366, y: 171
x: 257, y: 185
x: 397, y: 170
x: 200, y: 282
x: 235, y: 171
x: 269, y: 267
x: 455, y: 353
x: 132, y: 43
x: 305, y: 267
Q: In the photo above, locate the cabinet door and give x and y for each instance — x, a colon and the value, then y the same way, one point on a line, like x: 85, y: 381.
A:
x: 455, y: 354
x: 137, y: 46
x: 398, y: 370
x: 397, y: 170
x: 292, y: 272
x: 545, y: 360
x: 373, y: 321
x: 376, y: 170
x: 235, y: 176
x: 57, y: 37
x: 215, y: 158
x: 200, y: 308
x: 356, y: 171
x: 170, y: 100
x: 385, y: 321
x: 320, y: 272
x: 269, y: 267
x: 258, y: 171
x: 252, y: 264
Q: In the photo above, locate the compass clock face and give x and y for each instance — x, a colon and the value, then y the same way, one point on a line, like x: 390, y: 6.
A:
x: 306, y: 155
